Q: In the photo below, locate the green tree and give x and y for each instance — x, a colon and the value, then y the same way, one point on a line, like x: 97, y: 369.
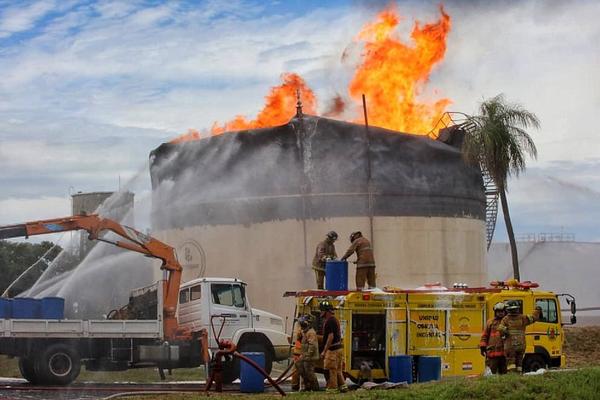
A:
x: 16, y: 257
x: 500, y: 144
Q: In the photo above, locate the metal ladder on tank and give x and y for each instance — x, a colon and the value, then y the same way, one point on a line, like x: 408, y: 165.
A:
x: 464, y: 123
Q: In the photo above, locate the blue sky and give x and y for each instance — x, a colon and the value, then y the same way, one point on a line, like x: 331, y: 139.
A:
x: 89, y: 88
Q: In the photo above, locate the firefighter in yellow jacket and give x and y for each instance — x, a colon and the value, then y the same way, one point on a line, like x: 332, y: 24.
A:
x: 492, y: 345
x: 325, y: 251
x: 309, y: 354
x: 296, y: 353
x: 512, y: 330
x: 365, y: 260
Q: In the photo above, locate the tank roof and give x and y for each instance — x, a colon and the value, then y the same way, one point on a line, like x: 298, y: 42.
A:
x: 311, y: 167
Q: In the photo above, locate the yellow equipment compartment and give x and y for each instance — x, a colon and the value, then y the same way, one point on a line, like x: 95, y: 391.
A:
x: 448, y: 325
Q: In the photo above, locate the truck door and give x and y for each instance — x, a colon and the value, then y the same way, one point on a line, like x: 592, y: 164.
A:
x: 189, y: 311
x: 228, y: 300
x: 546, y: 331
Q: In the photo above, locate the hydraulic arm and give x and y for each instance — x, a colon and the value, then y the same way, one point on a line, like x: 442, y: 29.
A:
x: 135, y: 241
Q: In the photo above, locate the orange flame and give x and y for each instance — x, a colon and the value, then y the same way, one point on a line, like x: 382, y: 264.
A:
x: 280, y: 106
x: 393, y: 74
x: 191, y: 134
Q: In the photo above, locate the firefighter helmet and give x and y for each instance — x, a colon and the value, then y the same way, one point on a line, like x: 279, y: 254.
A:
x: 304, y: 320
x: 332, y: 235
x: 355, y: 235
x: 499, y: 306
x: 512, y: 307
x: 325, y: 305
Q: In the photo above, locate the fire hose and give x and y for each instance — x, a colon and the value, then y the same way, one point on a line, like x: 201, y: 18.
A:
x: 228, y: 349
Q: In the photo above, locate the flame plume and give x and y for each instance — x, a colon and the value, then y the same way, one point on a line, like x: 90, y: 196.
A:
x: 280, y: 106
x: 392, y: 74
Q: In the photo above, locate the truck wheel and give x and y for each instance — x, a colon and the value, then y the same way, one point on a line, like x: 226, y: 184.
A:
x: 27, y: 370
x: 533, y: 362
x: 58, y: 364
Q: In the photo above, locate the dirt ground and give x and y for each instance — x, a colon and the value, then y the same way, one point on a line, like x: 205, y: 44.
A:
x: 582, y: 346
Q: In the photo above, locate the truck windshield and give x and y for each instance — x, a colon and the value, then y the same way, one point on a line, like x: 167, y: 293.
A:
x: 228, y: 295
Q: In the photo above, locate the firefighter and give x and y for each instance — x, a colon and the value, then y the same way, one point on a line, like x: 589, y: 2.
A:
x: 492, y: 345
x: 332, y: 350
x: 365, y: 260
x: 325, y: 251
x: 296, y: 353
x: 512, y: 330
x: 309, y: 354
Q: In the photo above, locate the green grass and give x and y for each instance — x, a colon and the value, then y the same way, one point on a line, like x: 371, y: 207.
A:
x: 583, y: 384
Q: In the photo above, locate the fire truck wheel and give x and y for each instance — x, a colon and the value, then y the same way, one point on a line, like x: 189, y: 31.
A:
x: 27, y: 370
x: 533, y: 362
x: 58, y: 364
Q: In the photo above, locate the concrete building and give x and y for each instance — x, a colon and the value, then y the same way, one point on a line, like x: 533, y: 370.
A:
x: 254, y: 204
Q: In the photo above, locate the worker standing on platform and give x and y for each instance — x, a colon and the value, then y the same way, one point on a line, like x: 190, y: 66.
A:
x: 365, y: 260
x: 325, y: 251
x: 332, y: 350
x: 491, y: 345
x: 512, y: 330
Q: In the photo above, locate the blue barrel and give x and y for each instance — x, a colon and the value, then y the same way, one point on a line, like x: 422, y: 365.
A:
x: 336, y: 275
x: 429, y: 368
x: 400, y: 369
x: 252, y: 381
x: 53, y: 308
x: 25, y: 308
x: 5, y: 305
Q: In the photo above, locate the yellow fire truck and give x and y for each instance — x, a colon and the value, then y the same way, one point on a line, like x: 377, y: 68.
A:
x: 436, y: 321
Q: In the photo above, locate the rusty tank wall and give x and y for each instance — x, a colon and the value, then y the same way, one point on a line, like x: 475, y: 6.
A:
x: 254, y: 204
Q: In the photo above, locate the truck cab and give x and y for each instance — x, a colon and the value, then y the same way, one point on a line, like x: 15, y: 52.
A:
x: 545, y: 337
x: 209, y: 303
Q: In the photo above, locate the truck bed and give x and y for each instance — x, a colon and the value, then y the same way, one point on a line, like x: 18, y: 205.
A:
x: 51, y: 328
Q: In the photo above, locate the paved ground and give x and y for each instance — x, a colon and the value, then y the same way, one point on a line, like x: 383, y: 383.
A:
x: 18, y: 389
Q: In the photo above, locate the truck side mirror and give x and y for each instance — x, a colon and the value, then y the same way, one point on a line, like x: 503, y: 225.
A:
x: 573, y: 320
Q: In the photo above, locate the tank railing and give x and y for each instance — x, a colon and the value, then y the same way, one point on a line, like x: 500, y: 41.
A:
x: 469, y: 125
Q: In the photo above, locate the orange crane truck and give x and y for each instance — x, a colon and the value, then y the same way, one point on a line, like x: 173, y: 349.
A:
x: 52, y: 351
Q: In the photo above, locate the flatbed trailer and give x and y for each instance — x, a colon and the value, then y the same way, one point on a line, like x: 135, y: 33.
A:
x: 51, y: 351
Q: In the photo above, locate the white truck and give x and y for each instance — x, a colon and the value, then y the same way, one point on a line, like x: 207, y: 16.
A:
x: 52, y: 351
x: 165, y: 325
x: 224, y: 301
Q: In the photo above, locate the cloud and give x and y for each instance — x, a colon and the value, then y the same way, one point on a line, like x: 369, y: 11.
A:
x: 559, y: 197
x: 16, y: 210
x: 19, y: 18
x: 89, y: 88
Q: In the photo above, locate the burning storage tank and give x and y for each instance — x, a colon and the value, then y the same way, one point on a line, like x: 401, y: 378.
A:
x: 254, y: 204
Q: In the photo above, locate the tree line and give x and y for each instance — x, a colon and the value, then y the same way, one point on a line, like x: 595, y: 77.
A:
x: 16, y: 257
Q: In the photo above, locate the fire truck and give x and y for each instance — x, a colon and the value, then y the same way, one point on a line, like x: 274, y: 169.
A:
x: 436, y: 321
x: 164, y: 325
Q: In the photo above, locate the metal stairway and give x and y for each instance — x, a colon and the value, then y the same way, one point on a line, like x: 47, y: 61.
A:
x: 464, y: 123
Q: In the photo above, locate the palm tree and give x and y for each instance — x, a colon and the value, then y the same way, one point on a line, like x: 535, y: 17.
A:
x: 500, y: 144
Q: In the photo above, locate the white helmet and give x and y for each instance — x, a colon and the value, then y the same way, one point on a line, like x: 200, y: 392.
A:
x: 499, y: 306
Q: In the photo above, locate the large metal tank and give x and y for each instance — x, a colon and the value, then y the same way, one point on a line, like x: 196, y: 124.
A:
x: 254, y: 204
